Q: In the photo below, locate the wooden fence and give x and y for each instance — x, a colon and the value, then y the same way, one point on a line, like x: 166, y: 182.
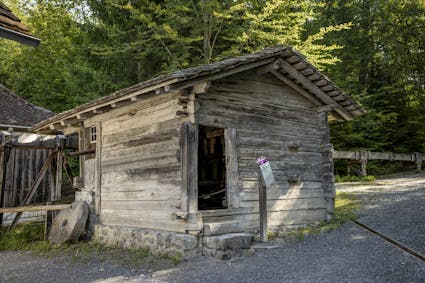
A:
x: 363, y: 156
x: 30, y: 169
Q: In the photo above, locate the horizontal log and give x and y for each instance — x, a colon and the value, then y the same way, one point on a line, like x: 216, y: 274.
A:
x: 80, y: 153
x: 274, y: 218
x: 34, y: 208
x: 370, y: 155
x: 137, y: 221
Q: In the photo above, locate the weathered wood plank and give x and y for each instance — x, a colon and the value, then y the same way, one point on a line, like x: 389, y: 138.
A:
x: 228, y: 103
x: 98, y: 168
x: 249, y: 122
x: 114, y: 139
x: 248, y: 174
x: 160, y: 214
x: 289, y: 204
x: 147, y: 101
x: 137, y: 221
x: 144, y: 117
x: 149, y: 160
x: 282, y: 194
x: 265, y: 119
x: 232, y: 171
x: 274, y: 219
x: 34, y: 208
x: 141, y: 204
x: 146, y: 140
x: 145, y: 191
x: 278, y: 94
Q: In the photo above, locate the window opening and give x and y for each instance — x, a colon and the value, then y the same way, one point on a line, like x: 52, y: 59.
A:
x: 93, y: 135
x: 212, y: 192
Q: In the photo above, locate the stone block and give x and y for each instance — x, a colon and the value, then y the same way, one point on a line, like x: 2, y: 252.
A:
x: 233, y: 241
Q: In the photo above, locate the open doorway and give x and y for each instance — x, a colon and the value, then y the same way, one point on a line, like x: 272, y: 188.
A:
x: 212, y: 192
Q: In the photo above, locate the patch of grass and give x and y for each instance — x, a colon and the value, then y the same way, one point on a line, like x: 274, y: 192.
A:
x: 352, y: 178
x: 30, y: 237
x: 346, y: 207
x: 25, y: 237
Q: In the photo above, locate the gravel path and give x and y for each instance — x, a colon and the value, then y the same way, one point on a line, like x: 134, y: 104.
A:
x: 395, y: 207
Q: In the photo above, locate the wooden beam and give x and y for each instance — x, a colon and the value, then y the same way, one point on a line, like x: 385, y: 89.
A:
x: 83, y: 152
x: 189, y: 194
x: 269, y: 68
x: 297, y: 88
x: 232, y: 170
x: 315, y: 89
x: 98, y: 171
x: 21, y: 209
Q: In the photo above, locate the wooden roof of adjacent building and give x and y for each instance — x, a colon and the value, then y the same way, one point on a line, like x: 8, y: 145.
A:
x: 16, y: 112
x: 12, y: 28
x: 283, y: 62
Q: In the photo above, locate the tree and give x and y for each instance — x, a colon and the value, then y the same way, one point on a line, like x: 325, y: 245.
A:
x: 383, y: 67
x: 58, y: 74
x: 166, y: 35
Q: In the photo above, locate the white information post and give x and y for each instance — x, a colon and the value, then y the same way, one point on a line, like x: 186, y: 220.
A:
x: 266, y: 179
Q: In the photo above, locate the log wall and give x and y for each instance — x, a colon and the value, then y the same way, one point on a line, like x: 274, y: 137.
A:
x: 140, y: 164
x: 269, y: 119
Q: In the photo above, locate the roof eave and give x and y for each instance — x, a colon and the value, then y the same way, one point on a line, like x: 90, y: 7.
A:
x: 19, y: 37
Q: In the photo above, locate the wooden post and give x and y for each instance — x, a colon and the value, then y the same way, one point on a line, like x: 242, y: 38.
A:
x: 60, y: 143
x: 363, y: 162
x: 189, y: 194
x: 418, y: 159
x: 262, y: 197
x: 98, y: 166
x: 231, y: 168
x: 4, y: 159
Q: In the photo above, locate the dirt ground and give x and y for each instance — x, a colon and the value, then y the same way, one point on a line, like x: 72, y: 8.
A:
x: 394, y: 206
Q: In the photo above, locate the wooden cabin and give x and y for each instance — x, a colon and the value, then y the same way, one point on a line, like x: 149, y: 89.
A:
x: 178, y: 153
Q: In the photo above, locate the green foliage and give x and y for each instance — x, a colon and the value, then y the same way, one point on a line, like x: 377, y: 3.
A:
x: 25, y: 236
x: 58, y: 74
x: 167, y: 35
x: 383, y: 67
x: 30, y: 237
x: 351, y: 178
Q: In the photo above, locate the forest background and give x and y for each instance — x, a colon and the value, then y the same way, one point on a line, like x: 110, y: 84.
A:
x: 373, y: 49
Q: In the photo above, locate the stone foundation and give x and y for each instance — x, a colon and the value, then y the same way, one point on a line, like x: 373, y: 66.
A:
x: 158, y: 242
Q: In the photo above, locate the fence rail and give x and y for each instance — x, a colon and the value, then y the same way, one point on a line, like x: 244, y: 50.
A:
x: 364, y: 155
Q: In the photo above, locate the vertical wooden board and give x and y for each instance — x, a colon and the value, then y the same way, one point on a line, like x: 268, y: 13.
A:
x: 89, y: 174
x: 189, y: 144
x: 98, y: 171
x: 24, y: 166
x: 232, y: 178
x: 59, y: 165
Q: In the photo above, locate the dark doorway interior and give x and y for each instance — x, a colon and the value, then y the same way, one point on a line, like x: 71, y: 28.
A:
x: 211, y: 169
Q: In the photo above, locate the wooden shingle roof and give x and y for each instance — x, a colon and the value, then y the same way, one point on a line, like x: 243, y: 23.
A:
x: 12, y: 28
x: 17, y: 112
x: 282, y: 61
